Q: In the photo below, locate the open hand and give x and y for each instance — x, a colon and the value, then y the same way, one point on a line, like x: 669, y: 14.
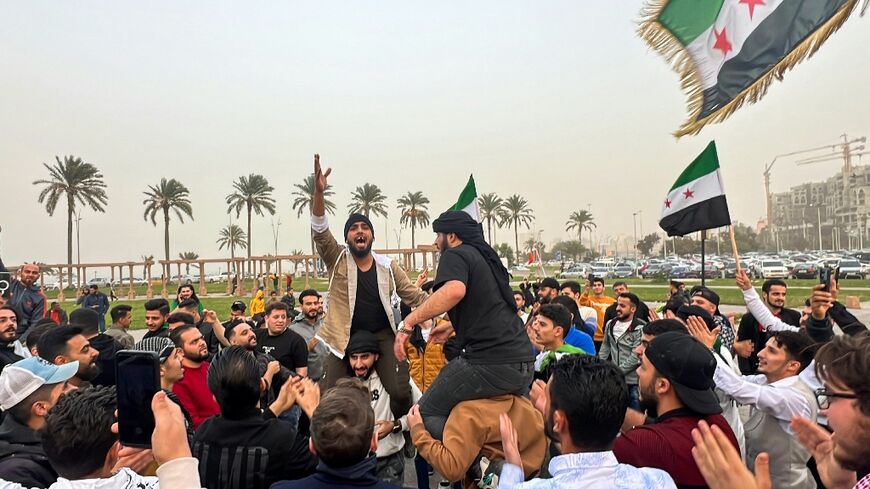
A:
x: 721, y: 465
x: 509, y: 440
x: 820, y: 444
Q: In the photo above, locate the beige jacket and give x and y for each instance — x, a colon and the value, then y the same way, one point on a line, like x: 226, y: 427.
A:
x: 392, y: 280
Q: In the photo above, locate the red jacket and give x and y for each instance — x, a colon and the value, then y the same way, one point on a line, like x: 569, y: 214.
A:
x: 195, y: 396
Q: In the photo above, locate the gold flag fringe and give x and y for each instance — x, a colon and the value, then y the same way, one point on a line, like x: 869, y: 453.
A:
x: 661, y: 40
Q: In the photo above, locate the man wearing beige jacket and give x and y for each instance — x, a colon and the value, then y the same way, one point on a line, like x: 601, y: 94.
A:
x: 361, y: 287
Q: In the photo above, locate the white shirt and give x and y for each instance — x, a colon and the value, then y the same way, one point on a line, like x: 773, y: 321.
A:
x: 593, y: 470
x: 778, y: 399
x: 620, y: 327
x: 393, y: 442
x: 588, y: 313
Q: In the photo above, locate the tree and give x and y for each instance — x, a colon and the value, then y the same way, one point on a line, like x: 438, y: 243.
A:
x: 232, y: 237
x: 745, y: 236
x: 581, y: 221
x: 368, y: 200
x: 414, y: 207
x: 517, y: 212
x: 504, y: 250
x: 490, y: 211
x: 304, y: 199
x: 80, y: 183
x: 646, y: 244
x: 253, y: 193
x: 570, y: 249
x: 188, y: 255
x: 163, y: 197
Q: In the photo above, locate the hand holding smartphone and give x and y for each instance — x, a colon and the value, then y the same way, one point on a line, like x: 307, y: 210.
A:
x: 138, y: 379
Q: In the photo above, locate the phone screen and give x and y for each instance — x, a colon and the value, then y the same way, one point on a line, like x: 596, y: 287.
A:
x: 138, y: 379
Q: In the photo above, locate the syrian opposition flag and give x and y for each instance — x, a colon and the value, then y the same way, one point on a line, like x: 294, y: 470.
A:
x: 727, y: 52
x: 697, y: 199
x: 468, y: 200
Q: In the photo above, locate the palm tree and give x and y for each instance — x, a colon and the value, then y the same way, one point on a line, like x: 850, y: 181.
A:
x: 581, y: 221
x: 232, y: 237
x: 517, y: 211
x: 490, y: 206
x: 253, y: 193
x: 304, y: 199
x: 368, y: 200
x: 80, y: 183
x: 163, y: 197
x: 414, y: 207
x: 188, y: 255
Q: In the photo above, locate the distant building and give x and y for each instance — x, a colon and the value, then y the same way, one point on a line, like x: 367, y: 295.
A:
x: 842, y: 214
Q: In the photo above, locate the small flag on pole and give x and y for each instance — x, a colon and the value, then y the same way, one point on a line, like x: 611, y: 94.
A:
x: 727, y: 52
x: 697, y: 199
x: 468, y: 200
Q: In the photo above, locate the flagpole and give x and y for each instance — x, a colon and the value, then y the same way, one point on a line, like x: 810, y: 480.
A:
x: 734, y: 247
x: 703, y: 259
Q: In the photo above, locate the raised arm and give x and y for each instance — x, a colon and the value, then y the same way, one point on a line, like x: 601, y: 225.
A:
x: 317, y: 208
x: 756, y: 306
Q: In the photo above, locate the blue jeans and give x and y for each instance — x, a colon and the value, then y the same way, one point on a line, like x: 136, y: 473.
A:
x: 460, y: 381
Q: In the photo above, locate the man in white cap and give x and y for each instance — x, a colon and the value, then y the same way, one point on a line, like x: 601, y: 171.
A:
x: 28, y: 390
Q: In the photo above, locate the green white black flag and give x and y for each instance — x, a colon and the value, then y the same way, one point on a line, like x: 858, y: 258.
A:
x: 697, y: 199
x: 468, y: 200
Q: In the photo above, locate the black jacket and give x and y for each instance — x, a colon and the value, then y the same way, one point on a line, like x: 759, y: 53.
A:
x: 8, y: 355
x: 822, y: 332
x: 362, y: 474
x: 251, y: 453
x: 108, y: 348
x: 748, y: 330
x: 22, y: 459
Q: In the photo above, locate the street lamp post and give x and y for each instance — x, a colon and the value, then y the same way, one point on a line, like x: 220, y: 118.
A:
x: 634, y: 218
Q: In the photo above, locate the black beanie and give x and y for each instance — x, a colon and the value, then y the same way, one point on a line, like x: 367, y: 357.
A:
x: 362, y: 341
x: 355, y: 218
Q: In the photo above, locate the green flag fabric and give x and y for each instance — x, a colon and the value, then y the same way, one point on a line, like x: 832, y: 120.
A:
x: 468, y: 200
x: 696, y: 201
x: 727, y: 52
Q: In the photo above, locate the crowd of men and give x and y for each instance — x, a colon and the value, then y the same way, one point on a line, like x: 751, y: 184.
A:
x: 547, y: 385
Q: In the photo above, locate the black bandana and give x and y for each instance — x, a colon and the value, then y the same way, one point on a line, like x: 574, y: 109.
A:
x: 471, y: 233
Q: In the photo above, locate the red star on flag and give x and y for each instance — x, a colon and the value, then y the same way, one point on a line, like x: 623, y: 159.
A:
x: 688, y: 193
x: 751, y: 4
x: 668, y: 203
x: 722, y: 43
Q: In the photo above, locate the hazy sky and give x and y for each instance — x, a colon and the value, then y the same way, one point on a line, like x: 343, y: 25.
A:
x: 558, y: 101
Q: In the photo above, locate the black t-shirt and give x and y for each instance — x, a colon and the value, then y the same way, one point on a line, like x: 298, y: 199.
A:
x: 368, y: 312
x: 487, y: 329
x: 288, y: 348
x: 750, y: 330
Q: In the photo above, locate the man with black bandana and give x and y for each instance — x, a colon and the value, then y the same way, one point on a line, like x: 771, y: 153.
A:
x: 361, y: 286
x: 472, y: 287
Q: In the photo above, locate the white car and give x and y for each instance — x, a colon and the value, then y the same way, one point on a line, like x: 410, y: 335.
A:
x: 219, y: 277
x: 770, y: 269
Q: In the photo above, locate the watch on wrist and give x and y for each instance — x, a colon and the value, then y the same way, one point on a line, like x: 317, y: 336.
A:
x: 397, y: 426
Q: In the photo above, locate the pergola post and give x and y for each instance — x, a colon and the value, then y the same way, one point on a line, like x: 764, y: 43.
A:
x: 131, y: 294
x: 202, y: 289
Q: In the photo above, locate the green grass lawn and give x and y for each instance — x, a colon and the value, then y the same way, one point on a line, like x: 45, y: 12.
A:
x: 649, y: 290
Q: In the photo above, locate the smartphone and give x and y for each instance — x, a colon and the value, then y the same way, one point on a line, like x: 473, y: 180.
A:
x: 825, y: 274
x: 138, y: 379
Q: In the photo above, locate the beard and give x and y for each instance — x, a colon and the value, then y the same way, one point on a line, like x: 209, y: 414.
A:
x: 359, y: 253
x: 197, y: 356
x: 89, y: 373
x: 648, y: 400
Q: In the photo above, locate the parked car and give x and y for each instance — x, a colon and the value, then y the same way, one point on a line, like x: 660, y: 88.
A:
x: 805, y: 270
x: 679, y: 272
x: 623, y: 271
x: 770, y: 269
x: 652, y: 269
x: 731, y: 268
x: 218, y: 277
x: 602, y: 272
x: 574, y: 272
x: 99, y: 282
x: 126, y: 282
x: 851, y: 269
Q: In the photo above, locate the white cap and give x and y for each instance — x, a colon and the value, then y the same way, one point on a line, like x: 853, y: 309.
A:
x: 23, y: 377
